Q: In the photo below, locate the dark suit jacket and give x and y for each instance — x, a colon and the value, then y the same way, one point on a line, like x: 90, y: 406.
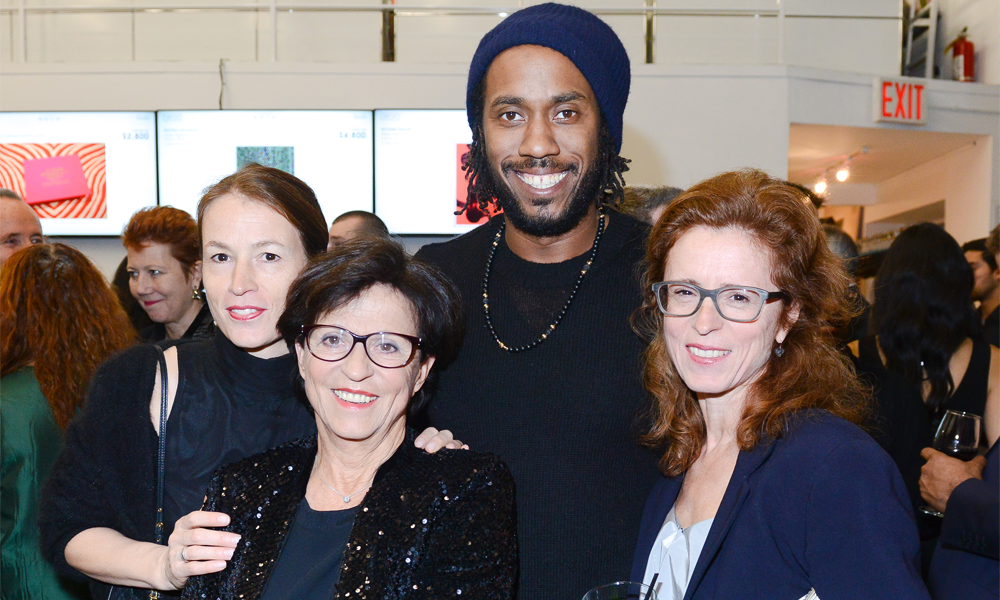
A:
x: 966, y: 563
x: 823, y: 507
x: 431, y: 526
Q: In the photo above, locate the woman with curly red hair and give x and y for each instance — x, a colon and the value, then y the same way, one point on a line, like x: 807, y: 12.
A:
x: 60, y: 322
x: 770, y: 490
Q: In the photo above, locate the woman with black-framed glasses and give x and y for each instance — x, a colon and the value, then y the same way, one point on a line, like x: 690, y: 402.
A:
x: 769, y: 489
x: 358, y: 510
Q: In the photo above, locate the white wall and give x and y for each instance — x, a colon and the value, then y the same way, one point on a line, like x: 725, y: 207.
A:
x: 960, y: 178
x: 849, y: 35
x: 827, y: 98
x: 982, y: 17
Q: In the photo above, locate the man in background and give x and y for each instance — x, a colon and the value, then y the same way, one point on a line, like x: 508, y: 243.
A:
x: 986, y: 289
x: 354, y: 224
x: 19, y: 225
x: 648, y: 203
x: 548, y: 377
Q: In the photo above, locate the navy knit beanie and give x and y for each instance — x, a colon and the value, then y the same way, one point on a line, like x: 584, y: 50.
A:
x: 578, y: 35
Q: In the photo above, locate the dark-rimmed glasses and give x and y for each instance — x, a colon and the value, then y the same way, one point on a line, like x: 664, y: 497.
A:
x: 386, y: 349
x: 741, y: 304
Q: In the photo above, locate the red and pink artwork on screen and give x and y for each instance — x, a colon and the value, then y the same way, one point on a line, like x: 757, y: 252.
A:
x: 60, y: 181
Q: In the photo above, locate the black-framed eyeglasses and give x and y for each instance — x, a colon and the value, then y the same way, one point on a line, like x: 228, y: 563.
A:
x: 384, y: 348
x: 741, y: 304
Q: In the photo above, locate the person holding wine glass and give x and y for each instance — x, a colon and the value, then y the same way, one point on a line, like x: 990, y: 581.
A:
x: 924, y: 328
x: 966, y: 489
x: 769, y: 489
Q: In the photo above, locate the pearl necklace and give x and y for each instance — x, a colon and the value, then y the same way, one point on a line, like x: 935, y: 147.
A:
x: 346, y: 499
x: 562, y: 311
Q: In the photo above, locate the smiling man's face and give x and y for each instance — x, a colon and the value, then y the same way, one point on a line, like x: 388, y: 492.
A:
x: 540, y: 125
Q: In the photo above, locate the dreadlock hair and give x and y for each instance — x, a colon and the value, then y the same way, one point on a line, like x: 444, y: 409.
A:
x: 482, y: 192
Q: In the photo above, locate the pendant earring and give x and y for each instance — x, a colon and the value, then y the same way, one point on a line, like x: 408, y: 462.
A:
x: 779, y: 351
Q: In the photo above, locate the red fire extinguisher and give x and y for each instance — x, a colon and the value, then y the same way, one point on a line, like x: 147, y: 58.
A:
x: 963, y: 67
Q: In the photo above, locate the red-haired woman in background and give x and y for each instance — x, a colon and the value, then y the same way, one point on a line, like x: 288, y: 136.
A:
x: 60, y: 322
x: 164, y: 271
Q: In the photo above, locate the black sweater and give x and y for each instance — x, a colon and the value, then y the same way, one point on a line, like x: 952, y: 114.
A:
x: 564, y: 416
x: 229, y: 405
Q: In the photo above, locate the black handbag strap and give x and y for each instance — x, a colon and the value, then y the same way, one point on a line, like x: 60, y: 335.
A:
x: 116, y: 592
x: 162, y: 450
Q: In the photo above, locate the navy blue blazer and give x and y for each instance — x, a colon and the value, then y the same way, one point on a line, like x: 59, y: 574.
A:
x: 965, y: 564
x: 823, y: 507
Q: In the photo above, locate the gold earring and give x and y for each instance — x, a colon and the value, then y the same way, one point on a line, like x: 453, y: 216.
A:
x: 195, y: 294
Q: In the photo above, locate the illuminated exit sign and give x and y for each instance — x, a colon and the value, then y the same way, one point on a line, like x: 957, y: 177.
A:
x: 900, y: 101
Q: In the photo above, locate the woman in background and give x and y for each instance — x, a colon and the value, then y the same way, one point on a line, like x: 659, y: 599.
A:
x: 926, y: 330
x: 60, y: 322
x: 164, y: 271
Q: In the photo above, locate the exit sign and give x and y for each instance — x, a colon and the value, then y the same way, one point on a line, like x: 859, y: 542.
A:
x: 900, y: 101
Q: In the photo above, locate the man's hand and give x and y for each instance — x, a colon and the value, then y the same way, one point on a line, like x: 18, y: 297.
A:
x: 433, y: 440
x: 941, y: 475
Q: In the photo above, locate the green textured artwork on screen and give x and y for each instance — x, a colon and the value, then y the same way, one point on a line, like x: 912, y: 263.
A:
x: 279, y: 157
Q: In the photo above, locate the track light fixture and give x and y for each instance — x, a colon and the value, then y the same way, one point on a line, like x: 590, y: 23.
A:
x: 842, y: 174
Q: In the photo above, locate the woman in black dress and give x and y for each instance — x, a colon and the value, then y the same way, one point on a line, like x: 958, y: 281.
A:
x: 925, y: 330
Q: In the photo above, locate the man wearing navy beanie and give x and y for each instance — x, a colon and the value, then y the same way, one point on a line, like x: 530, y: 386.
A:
x: 548, y: 376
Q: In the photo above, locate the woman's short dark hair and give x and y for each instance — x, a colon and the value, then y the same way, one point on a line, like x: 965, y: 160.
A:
x: 285, y: 193
x: 336, y: 278
x: 923, y: 307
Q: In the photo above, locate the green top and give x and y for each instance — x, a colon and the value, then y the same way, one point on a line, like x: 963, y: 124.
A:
x: 30, y: 440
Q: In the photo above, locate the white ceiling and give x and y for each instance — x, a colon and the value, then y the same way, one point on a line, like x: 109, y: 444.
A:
x: 814, y: 149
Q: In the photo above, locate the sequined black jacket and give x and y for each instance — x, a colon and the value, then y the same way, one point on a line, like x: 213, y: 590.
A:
x: 432, y: 525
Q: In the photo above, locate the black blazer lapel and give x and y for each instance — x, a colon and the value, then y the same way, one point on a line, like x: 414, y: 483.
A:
x: 661, y: 500
x: 736, y: 493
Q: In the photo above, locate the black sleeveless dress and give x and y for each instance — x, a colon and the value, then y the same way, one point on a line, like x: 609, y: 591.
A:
x: 969, y: 396
x: 229, y: 405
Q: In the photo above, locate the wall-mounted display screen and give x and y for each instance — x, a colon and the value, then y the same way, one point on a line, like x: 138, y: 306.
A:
x: 84, y: 173
x: 419, y: 181
x: 331, y: 150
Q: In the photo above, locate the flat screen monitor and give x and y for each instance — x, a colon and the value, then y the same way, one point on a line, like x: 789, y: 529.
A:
x: 330, y: 150
x: 84, y: 173
x: 419, y: 182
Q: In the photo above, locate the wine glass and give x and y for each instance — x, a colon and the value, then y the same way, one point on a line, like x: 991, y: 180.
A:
x: 957, y: 436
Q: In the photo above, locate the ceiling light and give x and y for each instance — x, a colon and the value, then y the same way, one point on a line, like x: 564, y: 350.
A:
x: 843, y: 173
x: 820, y: 186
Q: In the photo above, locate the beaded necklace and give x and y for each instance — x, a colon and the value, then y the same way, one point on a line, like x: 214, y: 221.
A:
x: 562, y: 311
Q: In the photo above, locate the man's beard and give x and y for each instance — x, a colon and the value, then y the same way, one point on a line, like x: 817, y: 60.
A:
x: 577, y: 207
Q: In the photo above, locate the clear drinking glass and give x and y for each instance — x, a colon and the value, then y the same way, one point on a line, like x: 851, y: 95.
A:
x: 621, y: 590
x: 957, y: 436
